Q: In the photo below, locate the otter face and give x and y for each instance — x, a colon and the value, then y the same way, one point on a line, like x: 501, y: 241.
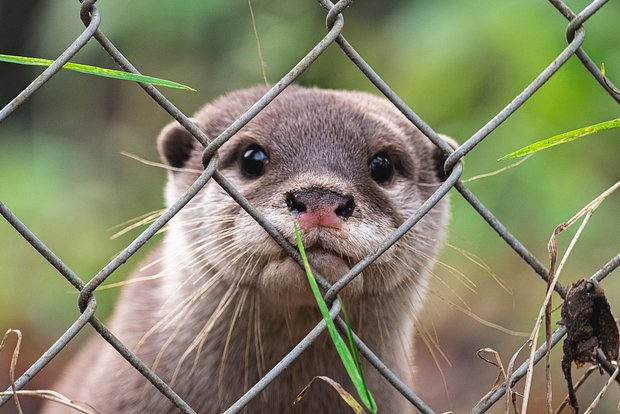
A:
x: 346, y: 165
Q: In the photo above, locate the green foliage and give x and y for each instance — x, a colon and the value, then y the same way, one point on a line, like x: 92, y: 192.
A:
x: 94, y: 70
x: 562, y: 138
x: 349, y: 357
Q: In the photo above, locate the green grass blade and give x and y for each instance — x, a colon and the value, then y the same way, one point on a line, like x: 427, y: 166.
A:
x: 563, y: 138
x: 97, y: 71
x: 343, y: 351
x: 353, y: 349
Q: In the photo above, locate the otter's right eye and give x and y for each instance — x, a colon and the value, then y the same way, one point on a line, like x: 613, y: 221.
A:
x: 381, y: 168
x: 253, y: 161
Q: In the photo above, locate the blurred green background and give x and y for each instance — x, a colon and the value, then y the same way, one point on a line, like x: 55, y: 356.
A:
x: 455, y: 63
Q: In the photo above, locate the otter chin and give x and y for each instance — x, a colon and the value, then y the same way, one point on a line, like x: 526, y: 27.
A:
x: 218, y: 303
x: 293, y: 289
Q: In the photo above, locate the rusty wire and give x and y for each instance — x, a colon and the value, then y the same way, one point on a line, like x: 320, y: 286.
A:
x: 90, y: 16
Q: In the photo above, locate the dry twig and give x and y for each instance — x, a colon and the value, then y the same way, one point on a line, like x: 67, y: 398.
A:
x: 58, y: 398
x: 13, y: 362
x: 599, y: 397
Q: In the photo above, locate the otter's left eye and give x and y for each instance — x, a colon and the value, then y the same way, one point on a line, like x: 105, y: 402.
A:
x: 253, y: 161
x: 381, y: 168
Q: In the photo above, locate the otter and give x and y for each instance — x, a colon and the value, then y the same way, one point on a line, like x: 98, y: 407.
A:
x: 219, y: 303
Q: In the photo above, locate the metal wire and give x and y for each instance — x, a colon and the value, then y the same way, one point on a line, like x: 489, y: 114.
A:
x: 575, y: 35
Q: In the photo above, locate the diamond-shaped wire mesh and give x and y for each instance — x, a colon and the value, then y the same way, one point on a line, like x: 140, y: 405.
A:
x: 91, y: 18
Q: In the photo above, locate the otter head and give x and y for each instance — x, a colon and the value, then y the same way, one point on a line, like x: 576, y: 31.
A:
x: 346, y: 165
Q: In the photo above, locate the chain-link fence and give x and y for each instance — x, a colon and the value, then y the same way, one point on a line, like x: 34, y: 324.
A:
x: 91, y: 18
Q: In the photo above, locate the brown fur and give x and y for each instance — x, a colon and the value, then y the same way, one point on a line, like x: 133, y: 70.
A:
x: 254, y: 303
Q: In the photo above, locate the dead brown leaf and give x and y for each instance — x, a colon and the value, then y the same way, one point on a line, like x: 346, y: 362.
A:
x: 590, y: 325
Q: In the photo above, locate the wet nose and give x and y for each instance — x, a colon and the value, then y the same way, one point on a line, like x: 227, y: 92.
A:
x: 318, y: 207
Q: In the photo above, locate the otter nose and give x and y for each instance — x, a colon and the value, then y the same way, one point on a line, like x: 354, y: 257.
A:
x: 317, y: 207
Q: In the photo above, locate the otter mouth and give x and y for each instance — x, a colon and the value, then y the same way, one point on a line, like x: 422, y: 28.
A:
x: 320, y: 251
x: 322, y: 244
x: 323, y: 238
x: 319, y: 255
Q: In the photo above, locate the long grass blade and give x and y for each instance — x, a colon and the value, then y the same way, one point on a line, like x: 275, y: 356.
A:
x: 97, y: 71
x: 343, y: 351
x: 563, y: 138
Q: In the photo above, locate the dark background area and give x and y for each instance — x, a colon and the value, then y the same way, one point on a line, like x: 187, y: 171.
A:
x: 455, y: 63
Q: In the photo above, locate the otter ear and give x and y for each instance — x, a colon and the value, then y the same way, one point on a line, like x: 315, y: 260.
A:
x: 175, y: 145
x: 439, y: 158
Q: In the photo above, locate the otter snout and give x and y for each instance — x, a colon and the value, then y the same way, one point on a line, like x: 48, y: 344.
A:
x: 319, y: 207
